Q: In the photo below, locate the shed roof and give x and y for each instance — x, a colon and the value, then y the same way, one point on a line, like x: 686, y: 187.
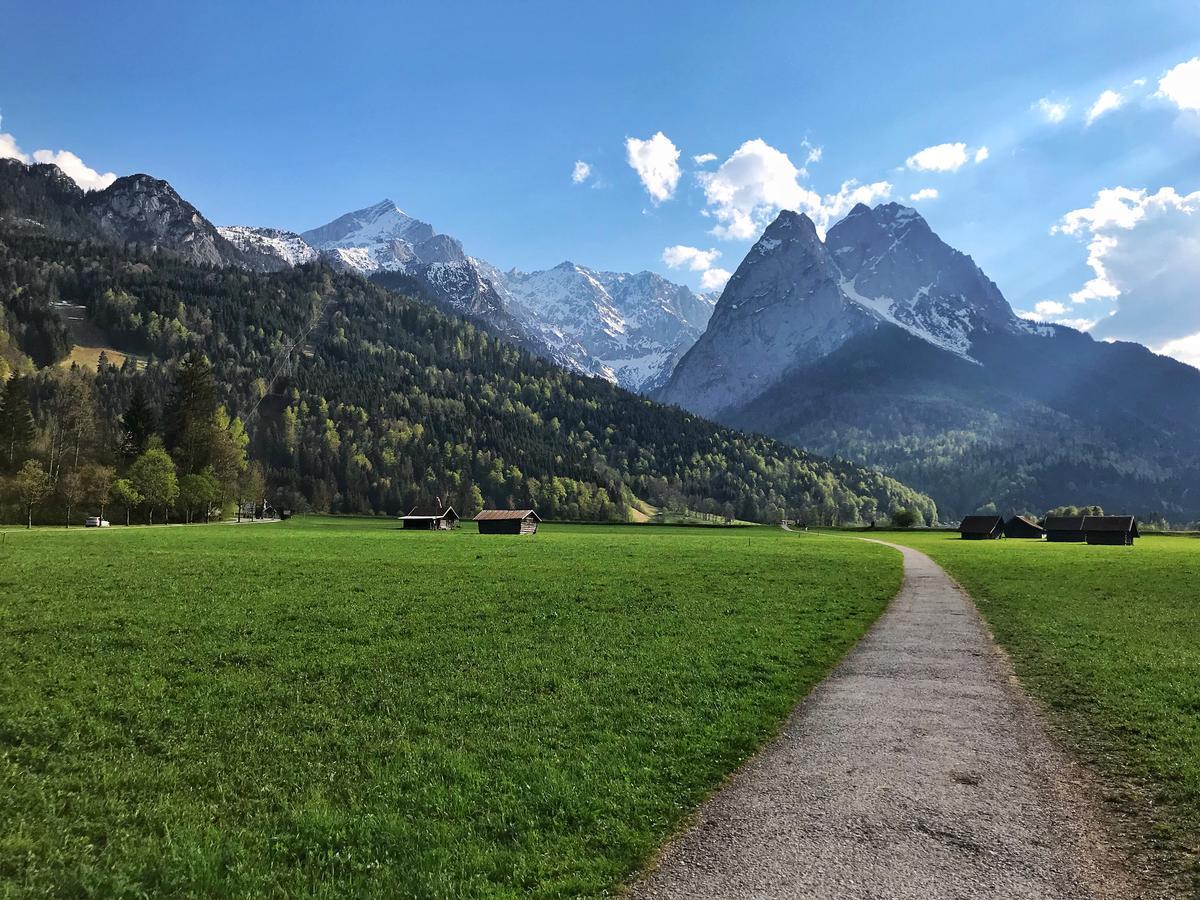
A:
x: 1064, y: 523
x: 430, y: 512
x: 980, y: 524
x: 1026, y: 520
x: 1109, y: 523
x: 492, y: 515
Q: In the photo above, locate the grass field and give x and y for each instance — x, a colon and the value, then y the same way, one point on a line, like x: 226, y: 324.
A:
x: 338, y: 708
x: 1109, y: 639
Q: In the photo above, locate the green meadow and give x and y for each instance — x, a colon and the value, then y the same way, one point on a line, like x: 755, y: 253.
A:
x: 338, y: 708
x: 1108, y: 638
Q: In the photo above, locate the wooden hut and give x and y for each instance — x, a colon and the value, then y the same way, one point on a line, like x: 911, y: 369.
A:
x: 1120, y: 530
x: 1064, y: 528
x: 981, y: 528
x: 431, y: 518
x: 1023, y: 527
x: 508, y: 521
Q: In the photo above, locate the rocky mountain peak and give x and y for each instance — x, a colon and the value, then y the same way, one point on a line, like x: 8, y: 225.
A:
x: 147, y: 210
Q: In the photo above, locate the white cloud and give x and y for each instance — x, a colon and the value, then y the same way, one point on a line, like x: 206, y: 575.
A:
x: 1052, y: 111
x: 750, y: 188
x: 981, y: 154
x: 924, y: 194
x: 939, y: 158
x: 10, y: 150
x: 814, y: 154
x: 693, y: 257
x: 1185, y: 349
x: 581, y: 172
x: 1049, y: 308
x: 85, y: 176
x: 714, y: 279
x: 1144, y: 253
x: 656, y: 161
x: 1106, y: 102
x: 1181, y: 85
x: 704, y: 158
x: 697, y: 260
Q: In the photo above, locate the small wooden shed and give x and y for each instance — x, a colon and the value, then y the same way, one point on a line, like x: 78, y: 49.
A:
x: 1119, y: 530
x: 1023, y: 527
x: 431, y: 518
x: 981, y: 528
x: 508, y: 521
x: 1064, y: 529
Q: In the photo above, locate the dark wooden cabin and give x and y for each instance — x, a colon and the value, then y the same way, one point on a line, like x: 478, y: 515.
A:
x: 981, y: 528
x: 1023, y: 527
x: 508, y: 521
x: 1064, y: 528
x: 1119, y: 530
x: 431, y: 518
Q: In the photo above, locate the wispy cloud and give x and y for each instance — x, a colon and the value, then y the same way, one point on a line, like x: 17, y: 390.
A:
x: 704, y: 159
x: 581, y: 172
x: 1053, y: 111
x: 939, y: 158
x: 1105, y: 103
x: 924, y: 194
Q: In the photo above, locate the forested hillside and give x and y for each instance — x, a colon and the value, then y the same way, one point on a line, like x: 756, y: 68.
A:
x: 354, y: 398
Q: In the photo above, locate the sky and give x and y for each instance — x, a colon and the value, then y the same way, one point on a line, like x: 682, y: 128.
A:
x: 1057, y: 144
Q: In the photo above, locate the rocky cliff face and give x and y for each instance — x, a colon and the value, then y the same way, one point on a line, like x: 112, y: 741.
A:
x: 144, y: 210
x: 884, y: 345
x: 783, y: 307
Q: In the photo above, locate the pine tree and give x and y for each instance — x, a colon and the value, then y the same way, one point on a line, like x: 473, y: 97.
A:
x: 139, y: 423
x: 16, y: 421
x: 190, y: 416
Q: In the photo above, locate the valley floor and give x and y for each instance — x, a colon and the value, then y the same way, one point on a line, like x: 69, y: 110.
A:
x: 337, y: 707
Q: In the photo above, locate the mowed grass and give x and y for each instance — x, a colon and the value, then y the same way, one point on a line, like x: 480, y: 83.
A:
x: 339, y: 708
x: 1109, y: 639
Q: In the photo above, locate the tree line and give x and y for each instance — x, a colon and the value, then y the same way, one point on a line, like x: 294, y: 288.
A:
x: 355, y: 399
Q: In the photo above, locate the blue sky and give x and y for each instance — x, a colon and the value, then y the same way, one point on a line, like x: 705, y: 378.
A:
x: 472, y: 116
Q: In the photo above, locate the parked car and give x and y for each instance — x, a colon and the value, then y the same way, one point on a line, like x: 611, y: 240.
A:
x: 95, y: 522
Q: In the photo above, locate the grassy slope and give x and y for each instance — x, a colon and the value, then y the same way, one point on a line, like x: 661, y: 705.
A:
x: 336, y: 707
x: 1109, y: 639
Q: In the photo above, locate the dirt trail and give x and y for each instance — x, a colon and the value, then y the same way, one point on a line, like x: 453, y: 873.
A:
x: 917, y: 769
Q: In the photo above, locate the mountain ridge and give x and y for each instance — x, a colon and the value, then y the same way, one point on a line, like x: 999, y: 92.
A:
x: 885, y: 345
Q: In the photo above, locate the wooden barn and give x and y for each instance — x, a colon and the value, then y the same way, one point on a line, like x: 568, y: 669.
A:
x: 1023, y: 527
x: 1064, y: 528
x: 431, y: 518
x: 981, y: 528
x: 508, y: 521
x: 1120, y: 530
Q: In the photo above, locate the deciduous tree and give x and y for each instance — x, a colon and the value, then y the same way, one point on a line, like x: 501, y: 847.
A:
x: 153, y: 475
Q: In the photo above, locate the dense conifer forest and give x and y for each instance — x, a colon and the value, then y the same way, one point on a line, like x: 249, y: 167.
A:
x: 343, y: 396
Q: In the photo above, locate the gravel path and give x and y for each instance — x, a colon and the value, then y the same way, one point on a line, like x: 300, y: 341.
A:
x: 918, y: 768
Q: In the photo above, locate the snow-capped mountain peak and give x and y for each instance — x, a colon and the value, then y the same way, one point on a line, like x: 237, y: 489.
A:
x: 795, y: 300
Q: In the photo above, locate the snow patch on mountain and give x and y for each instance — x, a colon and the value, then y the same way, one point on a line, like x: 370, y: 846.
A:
x: 283, y: 245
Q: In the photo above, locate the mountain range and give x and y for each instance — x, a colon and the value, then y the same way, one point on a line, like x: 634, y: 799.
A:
x: 880, y: 343
x: 354, y: 397
x: 884, y: 345
x: 628, y: 328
